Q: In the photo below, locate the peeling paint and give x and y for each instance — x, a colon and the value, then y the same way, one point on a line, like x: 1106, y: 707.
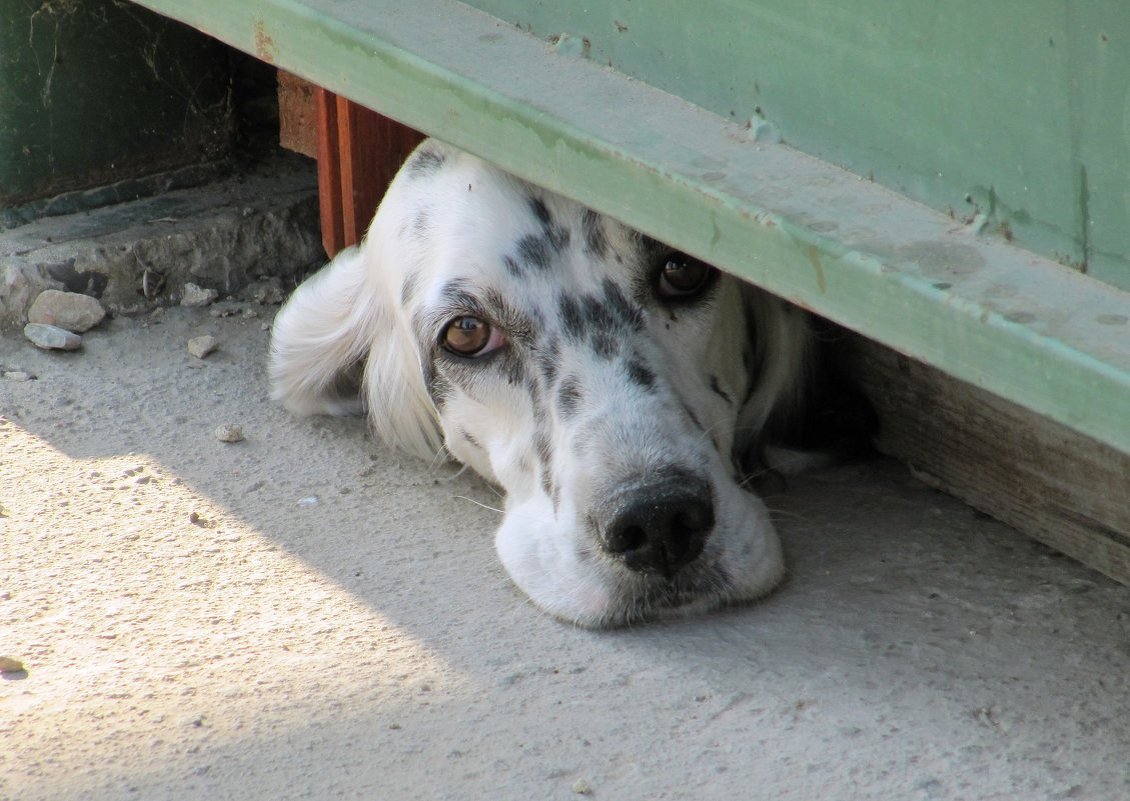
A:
x: 265, y: 47
x: 814, y: 258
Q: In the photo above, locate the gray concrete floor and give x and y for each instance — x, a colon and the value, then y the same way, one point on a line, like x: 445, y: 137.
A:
x: 306, y: 614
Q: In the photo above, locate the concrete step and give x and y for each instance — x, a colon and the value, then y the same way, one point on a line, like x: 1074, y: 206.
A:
x: 257, y: 226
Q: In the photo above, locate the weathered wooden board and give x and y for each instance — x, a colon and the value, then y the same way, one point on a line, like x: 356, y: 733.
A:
x: 1066, y: 490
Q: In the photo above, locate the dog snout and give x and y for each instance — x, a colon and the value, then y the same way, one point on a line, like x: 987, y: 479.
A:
x: 660, y: 528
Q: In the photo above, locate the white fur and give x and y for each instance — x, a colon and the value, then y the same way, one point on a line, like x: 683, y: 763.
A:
x: 440, y: 241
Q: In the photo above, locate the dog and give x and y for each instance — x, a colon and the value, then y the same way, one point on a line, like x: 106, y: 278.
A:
x: 617, y: 390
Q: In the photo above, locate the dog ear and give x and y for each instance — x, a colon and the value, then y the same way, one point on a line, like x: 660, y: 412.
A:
x: 399, y: 406
x: 783, y: 344
x: 339, y: 347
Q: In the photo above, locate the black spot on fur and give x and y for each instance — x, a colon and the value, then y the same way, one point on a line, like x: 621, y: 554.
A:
x: 469, y: 439
x: 689, y: 412
x: 717, y: 390
x: 513, y: 267
x: 439, y: 390
x: 549, y: 357
x: 626, y: 312
x: 545, y: 461
x: 605, y: 345
x: 557, y: 238
x: 639, y: 373
x: 598, y: 316
x: 456, y: 293
x: 541, y: 443
x: 515, y: 372
x: 572, y: 318
x: 408, y: 288
x: 592, y: 227
x: 569, y: 396
x: 535, y: 251
x: 541, y: 211
x: 602, y: 320
x: 425, y: 163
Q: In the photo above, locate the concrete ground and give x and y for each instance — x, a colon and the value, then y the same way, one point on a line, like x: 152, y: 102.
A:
x: 306, y: 614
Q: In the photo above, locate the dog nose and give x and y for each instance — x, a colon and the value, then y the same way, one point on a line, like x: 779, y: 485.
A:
x: 661, y: 529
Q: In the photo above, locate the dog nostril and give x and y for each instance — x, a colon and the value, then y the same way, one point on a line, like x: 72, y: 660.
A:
x: 661, y: 530
x: 626, y: 538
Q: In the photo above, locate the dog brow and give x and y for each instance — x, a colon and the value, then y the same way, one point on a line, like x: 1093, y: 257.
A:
x: 460, y: 297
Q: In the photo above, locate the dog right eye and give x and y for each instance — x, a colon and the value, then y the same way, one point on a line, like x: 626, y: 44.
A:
x: 682, y: 278
x: 470, y: 337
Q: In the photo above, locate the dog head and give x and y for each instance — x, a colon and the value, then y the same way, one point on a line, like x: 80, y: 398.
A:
x: 606, y: 382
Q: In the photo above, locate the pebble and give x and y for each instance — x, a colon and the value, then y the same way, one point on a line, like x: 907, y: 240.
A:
x: 202, y: 346
x: 18, y: 375
x: 9, y: 665
x: 229, y: 433
x: 267, y: 293
x: 51, y: 337
x: 194, y: 295
x: 68, y: 310
x: 581, y: 787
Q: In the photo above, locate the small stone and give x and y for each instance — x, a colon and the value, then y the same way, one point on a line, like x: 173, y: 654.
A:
x: 197, y: 296
x: 18, y: 375
x: 581, y: 787
x: 9, y: 665
x: 51, y: 337
x: 68, y: 310
x: 229, y: 433
x: 202, y: 346
x: 267, y: 293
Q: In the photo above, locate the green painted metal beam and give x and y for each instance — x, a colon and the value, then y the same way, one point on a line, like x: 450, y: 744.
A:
x: 969, y: 303
x: 1015, y: 110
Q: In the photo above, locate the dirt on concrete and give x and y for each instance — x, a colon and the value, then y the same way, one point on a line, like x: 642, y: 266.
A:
x: 303, y: 613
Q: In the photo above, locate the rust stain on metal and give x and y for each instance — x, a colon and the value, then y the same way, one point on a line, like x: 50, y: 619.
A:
x: 265, y: 47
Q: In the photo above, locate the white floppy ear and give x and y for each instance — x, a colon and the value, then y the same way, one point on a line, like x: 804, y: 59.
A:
x: 399, y: 407
x: 319, y: 338
x: 341, y: 319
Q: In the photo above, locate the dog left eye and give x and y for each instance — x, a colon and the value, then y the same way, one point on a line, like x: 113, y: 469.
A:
x: 682, y: 277
x: 471, y: 336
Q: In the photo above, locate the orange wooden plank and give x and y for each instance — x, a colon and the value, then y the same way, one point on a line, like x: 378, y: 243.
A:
x: 372, y: 149
x: 359, y: 153
x: 329, y: 173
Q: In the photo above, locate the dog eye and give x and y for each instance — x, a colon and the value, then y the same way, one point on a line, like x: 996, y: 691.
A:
x: 682, y: 277
x: 470, y: 336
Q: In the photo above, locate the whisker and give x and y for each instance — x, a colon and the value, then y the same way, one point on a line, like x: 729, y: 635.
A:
x: 528, y: 518
x: 441, y: 458
x: 479, y: 503
x: 779, y: 514
x: 462, y: 469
